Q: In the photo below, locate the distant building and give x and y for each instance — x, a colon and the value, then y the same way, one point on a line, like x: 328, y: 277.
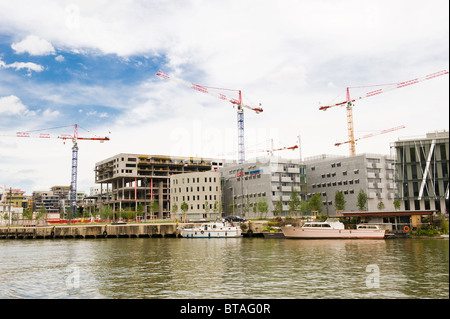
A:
x: 422, y: 170
x: 372, y: 173
x: 268, y: 179
x: 201, y: 191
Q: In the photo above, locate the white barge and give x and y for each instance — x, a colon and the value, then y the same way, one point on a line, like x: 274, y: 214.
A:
x: 212, y: 230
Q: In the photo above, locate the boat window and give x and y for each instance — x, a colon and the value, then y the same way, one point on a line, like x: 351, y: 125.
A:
x: 326, y: 225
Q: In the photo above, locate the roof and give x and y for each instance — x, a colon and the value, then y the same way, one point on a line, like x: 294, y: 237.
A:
x: 388, y: 213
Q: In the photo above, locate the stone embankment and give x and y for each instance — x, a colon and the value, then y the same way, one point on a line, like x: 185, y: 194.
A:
x: 143, y: 230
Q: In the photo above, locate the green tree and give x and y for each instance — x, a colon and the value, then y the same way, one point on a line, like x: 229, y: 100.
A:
x: 28, y: 214
x: 294, y: 203
x: 380, y: 205
x: 339, y: 201
x: 304, y: 207
x: 263, y: 207
x: 175, y: 210
x: 42, y: 214
x: 397, y: 204
x: 278, y: 208
x: 362, y: 200
x: 106, y: 213
x: 246, y: 207
x: 154, y: 207
x: 315, y: 203
x: 184, y: 207
x: 206, y: 207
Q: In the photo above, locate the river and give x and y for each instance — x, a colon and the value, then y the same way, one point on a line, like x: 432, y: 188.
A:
x: 237, y: 268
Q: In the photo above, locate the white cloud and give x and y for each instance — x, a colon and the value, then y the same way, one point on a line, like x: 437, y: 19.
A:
x: 12, y: 105
x: 30, y: 66
x: 60, y: 58
x: 33, y: 45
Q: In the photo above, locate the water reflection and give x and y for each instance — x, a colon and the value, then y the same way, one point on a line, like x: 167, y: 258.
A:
x: 223, y: 268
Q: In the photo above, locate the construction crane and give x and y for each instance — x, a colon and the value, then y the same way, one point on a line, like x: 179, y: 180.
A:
x: 350, y: 102
x: 374, y: 134
x: 268, y: 151
x: 74, y: 138
x: 235, y: 102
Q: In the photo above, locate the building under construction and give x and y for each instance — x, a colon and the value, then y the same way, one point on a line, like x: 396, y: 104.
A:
x: 139, y: 179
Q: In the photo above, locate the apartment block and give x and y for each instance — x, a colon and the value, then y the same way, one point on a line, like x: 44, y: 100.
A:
x: 140, y: 179
x: 422, y: 170
x: 271, y: 179
x: 200, y: 191
x: 372, y: 173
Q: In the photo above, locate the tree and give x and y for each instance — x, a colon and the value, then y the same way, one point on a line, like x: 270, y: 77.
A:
x: 154, y: 207
x: 106, y: 212
x: 294, y: 202
x: 304, y: 207
x: 206, y: 207
x: 279, y: 208
x: 397, y: 204
x: 339, y: 201
x: 380, y: 205
x: 184, y: 208
x: 42, y: 214
x: 362, y: 200
x: 175, y: 209
x: 28, y: 214
x: 315, y: 203
x: 246, y: 207
x: 262, y: 206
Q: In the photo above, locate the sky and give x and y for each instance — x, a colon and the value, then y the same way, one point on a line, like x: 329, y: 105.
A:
x: 94, y: 64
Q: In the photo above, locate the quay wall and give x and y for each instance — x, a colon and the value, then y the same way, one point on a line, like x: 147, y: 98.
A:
x: 111, y: 231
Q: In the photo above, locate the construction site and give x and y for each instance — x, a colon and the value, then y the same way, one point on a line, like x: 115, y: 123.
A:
x: 139, y: 179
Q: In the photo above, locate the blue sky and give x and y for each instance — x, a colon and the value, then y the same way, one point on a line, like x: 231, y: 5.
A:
x: 93, y: 63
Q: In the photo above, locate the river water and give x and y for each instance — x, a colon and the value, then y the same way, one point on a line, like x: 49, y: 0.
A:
x: 237, y: 268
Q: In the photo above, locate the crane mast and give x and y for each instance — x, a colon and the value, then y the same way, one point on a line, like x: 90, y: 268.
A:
x: 74, y: 138
x: 240, y: 108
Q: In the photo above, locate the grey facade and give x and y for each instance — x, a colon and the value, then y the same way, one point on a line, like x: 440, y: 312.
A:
x: 422, y: 168
x: 271, y: 179
x: 372, y: 173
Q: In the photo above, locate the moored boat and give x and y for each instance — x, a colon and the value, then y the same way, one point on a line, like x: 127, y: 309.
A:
x: 333, y: 228
x: 212, y: 230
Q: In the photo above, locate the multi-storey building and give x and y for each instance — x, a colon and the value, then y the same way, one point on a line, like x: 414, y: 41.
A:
x: 139, y: 179
x: 372, y: 173
x: 270, y: 179
x: 47, y: 200
x: 422, y: 170
x: 201, y: 192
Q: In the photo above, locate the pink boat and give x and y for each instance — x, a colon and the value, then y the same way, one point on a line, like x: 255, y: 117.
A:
x: 333, y: 229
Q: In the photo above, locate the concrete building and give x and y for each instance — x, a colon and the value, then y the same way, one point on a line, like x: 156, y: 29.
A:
x: 201, y: 191
x: 422, y: 170
x: 139, y: 179
x: 270, y: 179
x: 372, y: 173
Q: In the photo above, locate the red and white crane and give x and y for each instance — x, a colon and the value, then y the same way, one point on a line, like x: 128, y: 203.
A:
x: 235, y: 102
x: 64, y: 137
x: 374, y: 134
x: 350, y: 102
x: 268, y: 151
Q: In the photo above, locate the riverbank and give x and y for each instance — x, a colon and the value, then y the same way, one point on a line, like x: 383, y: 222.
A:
x: 144, y: 230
